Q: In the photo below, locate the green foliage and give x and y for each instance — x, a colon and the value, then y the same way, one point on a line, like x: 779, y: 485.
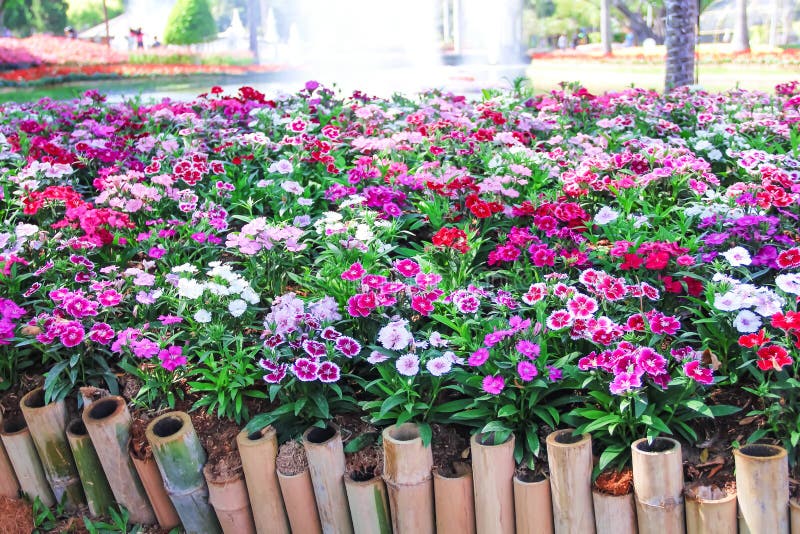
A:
x: 29, y: 16
x: 190, y: 22
x: 83, y: 14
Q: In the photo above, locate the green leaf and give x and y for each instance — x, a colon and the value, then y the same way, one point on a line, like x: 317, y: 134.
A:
x: 425, y: 433
x: 507, y: 411
x: 609, y: 455
x: 360, y: 442
x: 721, y: 410
x: 391, y: 402
x: 699, y: 407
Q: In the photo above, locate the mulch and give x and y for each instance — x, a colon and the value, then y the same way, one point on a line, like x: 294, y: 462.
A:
x: 16, y: 516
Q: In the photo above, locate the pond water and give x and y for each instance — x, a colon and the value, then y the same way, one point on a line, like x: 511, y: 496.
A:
x: 466, y: 80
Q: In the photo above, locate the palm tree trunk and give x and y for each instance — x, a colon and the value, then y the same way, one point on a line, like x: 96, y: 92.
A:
x: 680, y: 41
x: 741, y: 37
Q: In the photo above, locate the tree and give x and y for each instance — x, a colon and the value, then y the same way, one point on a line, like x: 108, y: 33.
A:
x: 605, y: 26
x: 680, y: 40
x: 28, y: 16
x: 190, y: 22
x: 741, y: 36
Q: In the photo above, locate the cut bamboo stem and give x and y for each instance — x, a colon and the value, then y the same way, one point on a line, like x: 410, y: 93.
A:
x: 231, y: 503
x: 48, y: 425
x: 658, y: 486
x: 794, y: 516
x: 326, y: 464
x: 369, y: 505
x: 180, y: 458
x: 108, y: 422
x: 95, y: 485
x: 493, y: 476
x: 710, y: 511
x: 407, y: 465
x: 533, y: 506
x: 258, y: 451
x: 614, y: 514
x: 301, y: 509
x: 455, y: 500
x: 762, y: 487
x: 23, y: 456
x: 153, y: 485
x: 9, y: 485
x: 570, y: 461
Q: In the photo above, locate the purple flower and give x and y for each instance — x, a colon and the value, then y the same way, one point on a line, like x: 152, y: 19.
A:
x: 493, y: 384
x: 72, y: 334
x: 527, y: 371
x: 348, y: 346
x: 156, y: 252
x: 478, y: 357
x: 528, y: 348
x: 170, y: 319
x: 407, y: 364
x: 172, y: 357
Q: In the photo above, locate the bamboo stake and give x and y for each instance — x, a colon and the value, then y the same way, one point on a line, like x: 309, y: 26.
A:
x: 533, y: 506
x: 493, y: 476
x: 258, y: 451
x: 180, y: 459
x: 326, y: 464
x: 48, y: 424
x: 153, y: 485
x: 762, y: 486
x: 22, y: 454
x: 794, y: 514
x: 108, y: 422
x: 454, y: 499
x: 658, y: 486
x: 369, y: 505
x: 230, y: 502
x: 407, y: 468
x: 710, y: 511
x: 614, y: 514
x: 301, y: 509
x: 570, y: 460
x: 95, y: 485
x: 9, y: 485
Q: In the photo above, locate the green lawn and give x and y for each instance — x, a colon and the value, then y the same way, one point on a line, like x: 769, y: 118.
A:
x: 598, y: 77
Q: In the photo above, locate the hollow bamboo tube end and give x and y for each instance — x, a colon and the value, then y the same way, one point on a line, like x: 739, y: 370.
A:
x: 168, y: 428
x: 565, y: 439
x: 231, y: 503
x: 257, y: 438
x: 405, y: 459
x: 107, y: 410
x: 493, y: 474
x: 533, y: 506
x: 301, y: 508
x: 708, y: 514
x: 454, y: 500
x: 570, y: 461
x: 658, y: 484
x: 762, y: 486
x: 259, y: 451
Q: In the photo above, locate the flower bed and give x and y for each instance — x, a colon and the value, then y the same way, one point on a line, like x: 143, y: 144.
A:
x: 46, y: 49
x: 624, y: 264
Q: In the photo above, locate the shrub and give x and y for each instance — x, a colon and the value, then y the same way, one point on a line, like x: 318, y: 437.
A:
x: 190, y: 22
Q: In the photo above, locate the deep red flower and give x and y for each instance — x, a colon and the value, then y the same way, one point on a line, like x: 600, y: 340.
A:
x: 773, y: 357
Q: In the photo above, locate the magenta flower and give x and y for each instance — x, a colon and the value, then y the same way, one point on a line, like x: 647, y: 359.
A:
x: 305, y: 370
x: 478, y: 357
x: 493, y: 384
x: 72, y: 334
x: 701, y: 375
x: 527, y: 371
x: 156, y: 252
x: 348, y: 346
x: 421, y: 304
x: 354, y: 272
x: 528, y: 348
x: 101, y: 333
x: 407, y: 268
x: 315, y: 349
x: 625, y: 382
x: 328, y: 372
x: 172, y: 357
x: 170, y: 319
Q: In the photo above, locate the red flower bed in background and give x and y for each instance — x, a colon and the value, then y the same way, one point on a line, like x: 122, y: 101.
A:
x: 45, y: 49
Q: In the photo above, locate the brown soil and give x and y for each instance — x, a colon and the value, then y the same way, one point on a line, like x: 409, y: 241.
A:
x: 9, y: 401
x: 710, y: 461
x: 529, y: 475
x: 366, y: 463
x: 139, y: 446
x: 614, y: 482
x: 218, y: 437
x: 450, y: 444
x: 292, y: 458
x: 16, y: 516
